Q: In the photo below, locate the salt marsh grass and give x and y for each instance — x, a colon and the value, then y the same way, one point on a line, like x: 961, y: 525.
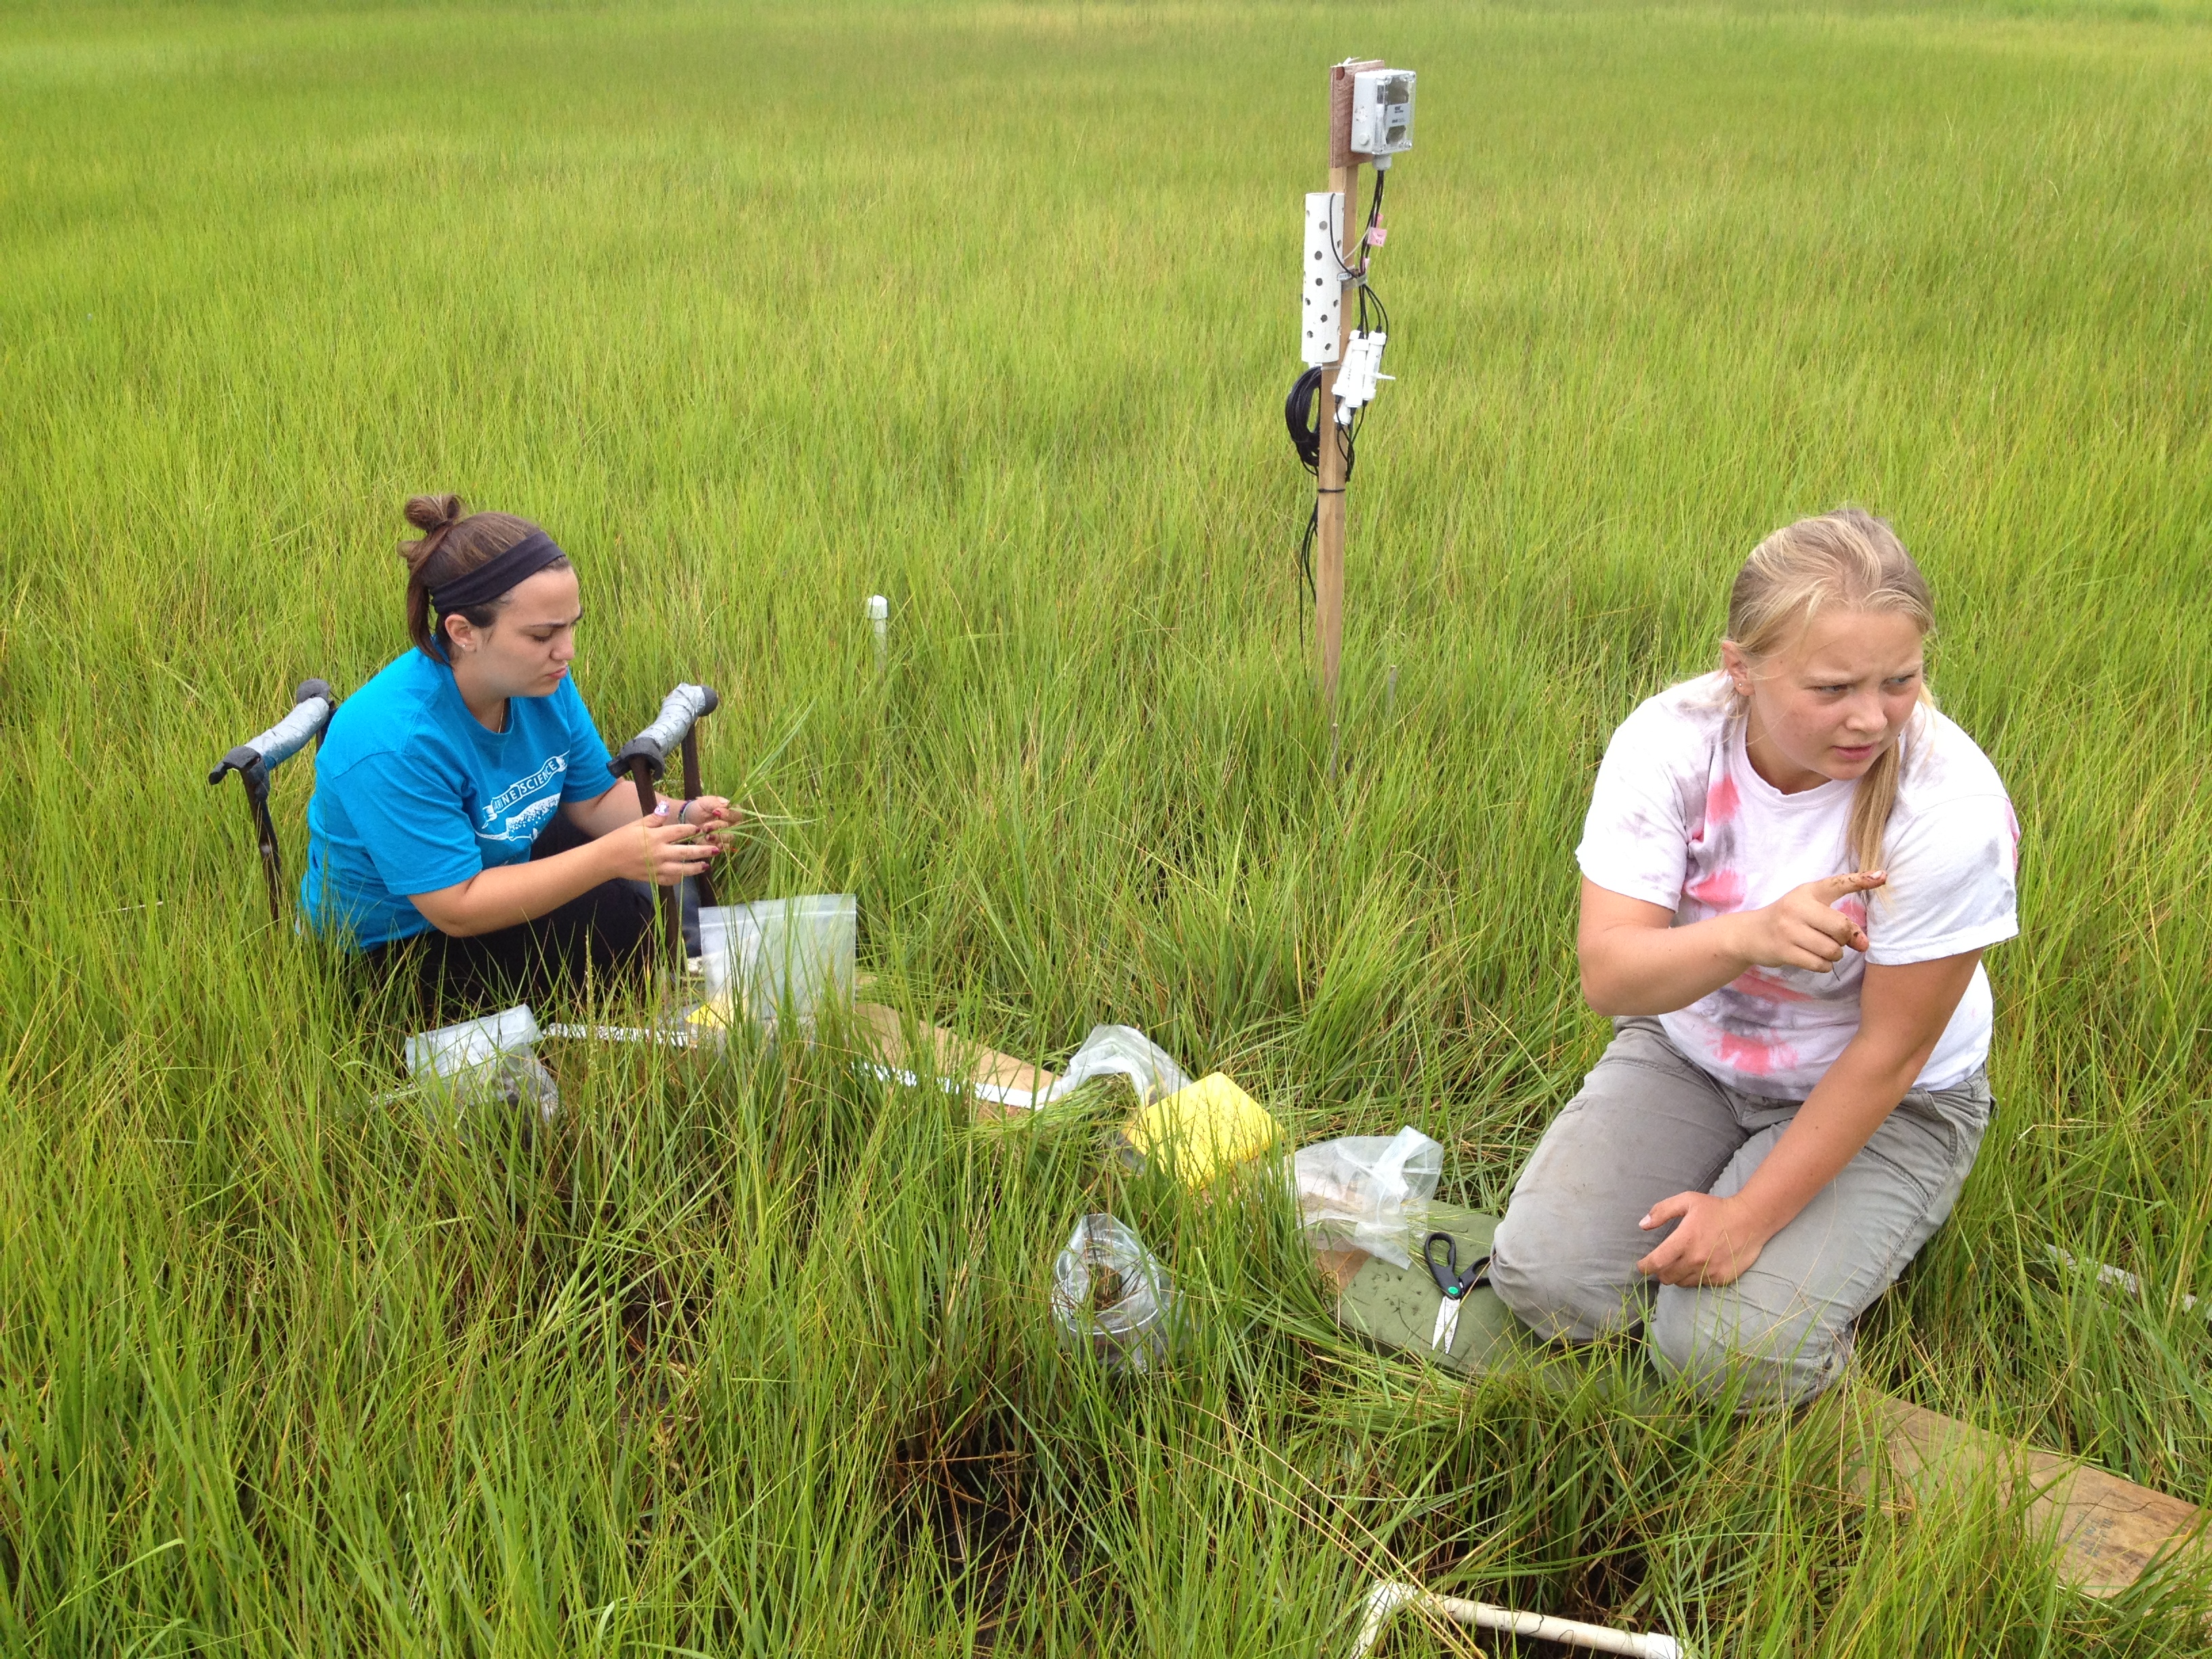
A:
x: 987, y: 307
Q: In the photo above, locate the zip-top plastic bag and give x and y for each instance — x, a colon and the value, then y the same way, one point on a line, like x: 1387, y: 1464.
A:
x: 1369, y: 1192
x: 1111, y: 1293
x: 1122, y: 1051
x: 462, y: 1067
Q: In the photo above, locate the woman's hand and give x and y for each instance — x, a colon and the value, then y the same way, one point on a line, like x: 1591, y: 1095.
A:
x: 711, y: 813
x: 1716, y: 1245
x: 1803, y: 929
x: 652, y: 849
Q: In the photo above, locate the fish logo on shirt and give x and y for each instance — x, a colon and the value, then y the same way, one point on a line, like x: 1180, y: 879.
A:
x: 522, y: 826
x: 523, y: 788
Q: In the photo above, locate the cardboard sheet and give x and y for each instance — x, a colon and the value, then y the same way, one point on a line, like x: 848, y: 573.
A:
x: 948, y: 1054
x: 2107, y: 1530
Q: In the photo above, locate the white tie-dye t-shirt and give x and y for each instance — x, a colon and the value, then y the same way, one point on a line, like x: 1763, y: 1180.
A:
x: 1679, y: 818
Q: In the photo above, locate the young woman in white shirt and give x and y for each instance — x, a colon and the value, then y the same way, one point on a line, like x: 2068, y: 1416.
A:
x: 1790, y: 870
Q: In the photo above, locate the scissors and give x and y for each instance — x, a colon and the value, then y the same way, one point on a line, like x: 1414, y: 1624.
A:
x: 1455, y: 1285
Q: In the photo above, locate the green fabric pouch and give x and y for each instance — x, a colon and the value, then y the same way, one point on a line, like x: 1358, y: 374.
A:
x: 1398, y: 1308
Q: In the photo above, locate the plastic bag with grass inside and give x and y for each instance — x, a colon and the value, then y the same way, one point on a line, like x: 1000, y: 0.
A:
x: 514, y: 1084
x: 1371, y: 1192
x: 485, y: 1063
x: 1122, y: 1051
x: 1110, y: 1292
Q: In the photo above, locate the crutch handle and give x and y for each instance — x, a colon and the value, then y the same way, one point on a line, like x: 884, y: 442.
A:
x: 312, y: 705
x: 682, y: 706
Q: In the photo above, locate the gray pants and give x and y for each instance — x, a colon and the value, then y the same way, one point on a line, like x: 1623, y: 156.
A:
x: 1648, y: 1124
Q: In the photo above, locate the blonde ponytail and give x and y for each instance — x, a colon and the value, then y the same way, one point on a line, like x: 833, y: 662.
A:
x: 1847, y: 560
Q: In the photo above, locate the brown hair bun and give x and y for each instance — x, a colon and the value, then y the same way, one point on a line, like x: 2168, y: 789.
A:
x: 454, y: 542
x: 433, y: 513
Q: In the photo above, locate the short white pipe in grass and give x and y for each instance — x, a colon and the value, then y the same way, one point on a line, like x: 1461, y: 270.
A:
x: 2118, y: 1278
x: 1387, y: 1597
x: 879, y: 618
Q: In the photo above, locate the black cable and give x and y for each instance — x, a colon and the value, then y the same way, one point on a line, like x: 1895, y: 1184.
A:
x: 1302, y: 417
x: 1306, y: 550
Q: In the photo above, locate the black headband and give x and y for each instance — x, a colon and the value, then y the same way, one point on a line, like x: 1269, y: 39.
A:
x: 496, y: 574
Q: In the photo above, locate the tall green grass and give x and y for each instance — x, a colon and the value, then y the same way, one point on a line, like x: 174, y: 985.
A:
x: 988, y: 308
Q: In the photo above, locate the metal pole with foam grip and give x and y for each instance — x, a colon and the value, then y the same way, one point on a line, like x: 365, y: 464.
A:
x: 645, y: 758
x: 312, y: 705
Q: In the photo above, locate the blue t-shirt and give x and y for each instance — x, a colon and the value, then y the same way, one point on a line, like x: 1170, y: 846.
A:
x: 412, y: 794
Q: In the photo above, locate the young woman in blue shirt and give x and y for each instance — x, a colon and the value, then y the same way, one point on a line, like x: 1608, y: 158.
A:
x: 465, y: 812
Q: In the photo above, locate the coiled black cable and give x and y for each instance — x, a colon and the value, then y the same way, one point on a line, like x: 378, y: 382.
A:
x: 1302, y: 417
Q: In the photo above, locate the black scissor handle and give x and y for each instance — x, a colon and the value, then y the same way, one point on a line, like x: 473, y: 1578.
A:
x: 1449, y: 1279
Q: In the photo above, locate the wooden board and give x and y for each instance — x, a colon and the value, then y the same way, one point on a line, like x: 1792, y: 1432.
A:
x: 946, y: 1053
x: 2108, y: 1531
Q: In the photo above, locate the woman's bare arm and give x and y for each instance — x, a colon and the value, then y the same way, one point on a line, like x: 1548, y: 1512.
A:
x: 508, y: 895
x: 1635, y: 961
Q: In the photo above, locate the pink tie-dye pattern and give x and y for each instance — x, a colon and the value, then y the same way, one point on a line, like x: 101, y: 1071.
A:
x: 1754, y: 983
x: 1753, y: 1058
x: 1722, y: 890
x: 1722, y: 801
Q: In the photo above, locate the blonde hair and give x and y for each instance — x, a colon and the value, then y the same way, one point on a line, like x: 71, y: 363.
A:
x: 1847, y: 560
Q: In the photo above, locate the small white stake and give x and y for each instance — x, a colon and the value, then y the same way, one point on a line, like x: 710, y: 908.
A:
x: 879, y: 615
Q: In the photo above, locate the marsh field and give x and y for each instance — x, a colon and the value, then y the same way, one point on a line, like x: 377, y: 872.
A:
x: 990, y: 309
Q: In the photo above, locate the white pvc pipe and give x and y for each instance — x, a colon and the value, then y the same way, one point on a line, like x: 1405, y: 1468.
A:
x: 879, y: 617
x: 1386, y: 1598
x: 2116, y: 1278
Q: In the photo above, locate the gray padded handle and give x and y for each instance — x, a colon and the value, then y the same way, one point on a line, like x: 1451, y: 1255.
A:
x: 295, y: 731
x: 682, y: 706
x: 316, y: 703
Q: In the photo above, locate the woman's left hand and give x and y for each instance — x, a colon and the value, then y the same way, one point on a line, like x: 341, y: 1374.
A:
x: 710, y: 812
x: 1715, y: 1243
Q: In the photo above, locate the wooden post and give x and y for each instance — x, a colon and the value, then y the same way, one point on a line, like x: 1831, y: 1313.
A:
x: 693, y: 788
x: 671, y: 899
x: 1328, y: 506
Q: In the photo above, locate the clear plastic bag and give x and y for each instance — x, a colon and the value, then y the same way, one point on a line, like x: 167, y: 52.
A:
x: 1121, y: 1051
x: 513, y: 1084
x: 780, y: 957
x: 1111, y: 1293
x: 1371, y: 1192
x: 483, y: 1063
x: 471, y: 1043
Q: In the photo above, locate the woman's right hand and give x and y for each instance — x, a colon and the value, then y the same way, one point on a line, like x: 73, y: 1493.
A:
x: 1803, y: 928
x: 655, y: 850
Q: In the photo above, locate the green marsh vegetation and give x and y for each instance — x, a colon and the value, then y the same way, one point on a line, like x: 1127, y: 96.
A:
x: 988, y: 308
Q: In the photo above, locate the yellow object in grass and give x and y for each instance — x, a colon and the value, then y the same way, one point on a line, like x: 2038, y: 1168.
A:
x: 717, y: 1013
x: 1202, y: 1130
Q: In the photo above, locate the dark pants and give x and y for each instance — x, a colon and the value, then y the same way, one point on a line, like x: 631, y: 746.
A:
x: 607, y: 932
